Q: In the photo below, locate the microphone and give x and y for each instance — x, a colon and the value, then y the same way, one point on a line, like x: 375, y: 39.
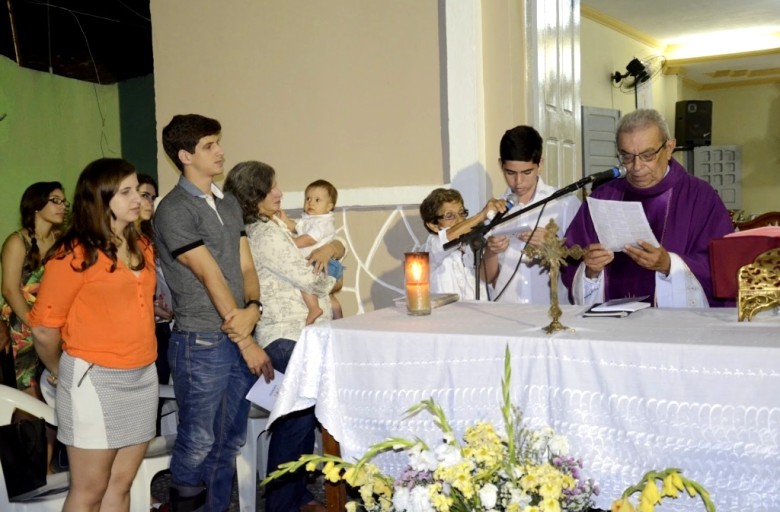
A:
x: 479, y: 231
x: 494, y: 216
x: 615, y: 172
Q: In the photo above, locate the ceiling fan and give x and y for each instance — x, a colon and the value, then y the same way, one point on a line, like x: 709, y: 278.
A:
x: 638, y: 74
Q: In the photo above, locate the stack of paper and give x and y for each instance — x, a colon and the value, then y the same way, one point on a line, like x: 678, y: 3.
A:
x: 618, y: 307
x: 620, y: 223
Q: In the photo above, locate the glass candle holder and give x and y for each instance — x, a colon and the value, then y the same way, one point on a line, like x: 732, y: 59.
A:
x: 418, y: 289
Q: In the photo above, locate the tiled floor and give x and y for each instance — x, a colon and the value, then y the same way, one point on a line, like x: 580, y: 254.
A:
x: 161, y: 483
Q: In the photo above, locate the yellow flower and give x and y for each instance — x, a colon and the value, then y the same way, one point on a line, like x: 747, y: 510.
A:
x: 331, y: 472
x: 650, y: 493
x: 677, y: 480
x: 311, y: 466
x: 550, y: 490
x: 440, y: 502
x: 367, y: 496
x: 381, y: 487
x: 622, y: 505
x: 483, y: 445
x: 351, y: 506
x: 669, y: 489
x: 691, y: 490
x: 459, y: 475
x: 645, y: 506
x: 550, y: 505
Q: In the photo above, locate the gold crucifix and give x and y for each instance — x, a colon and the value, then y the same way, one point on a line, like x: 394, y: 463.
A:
x: 553, y: 254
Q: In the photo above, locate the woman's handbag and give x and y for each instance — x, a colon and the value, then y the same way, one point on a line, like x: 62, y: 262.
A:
x: 23, y: 455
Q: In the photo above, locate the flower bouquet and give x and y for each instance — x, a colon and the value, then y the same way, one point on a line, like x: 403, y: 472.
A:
x: 518, y: 469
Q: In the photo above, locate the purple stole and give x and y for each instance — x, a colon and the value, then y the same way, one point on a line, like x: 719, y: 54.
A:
x: 684, y: 212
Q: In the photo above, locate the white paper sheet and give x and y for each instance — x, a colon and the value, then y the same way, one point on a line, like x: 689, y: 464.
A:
x: 264, y: 393
x: 620, y: 223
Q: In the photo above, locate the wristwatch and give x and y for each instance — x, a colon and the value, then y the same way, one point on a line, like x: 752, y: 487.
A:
x: 256, y: 303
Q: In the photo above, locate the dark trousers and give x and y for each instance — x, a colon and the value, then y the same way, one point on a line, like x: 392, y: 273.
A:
x: 291, y: 436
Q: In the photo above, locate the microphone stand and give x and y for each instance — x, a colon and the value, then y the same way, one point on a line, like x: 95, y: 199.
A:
x: 476, y: 237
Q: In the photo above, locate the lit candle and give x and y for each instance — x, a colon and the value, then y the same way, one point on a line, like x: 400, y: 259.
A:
x: 418, y: 292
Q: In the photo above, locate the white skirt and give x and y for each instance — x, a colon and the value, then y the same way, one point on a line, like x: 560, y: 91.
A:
x: 105, y: 408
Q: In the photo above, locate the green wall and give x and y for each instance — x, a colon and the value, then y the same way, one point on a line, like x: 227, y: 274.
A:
x: 53, y: 128
x: 136, y: 116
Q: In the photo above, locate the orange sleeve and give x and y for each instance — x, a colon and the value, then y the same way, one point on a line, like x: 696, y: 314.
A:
x: 59, y: 286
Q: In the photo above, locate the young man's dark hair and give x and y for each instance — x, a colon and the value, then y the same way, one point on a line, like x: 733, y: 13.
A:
x: 183, y: 132
x: 521, y: 143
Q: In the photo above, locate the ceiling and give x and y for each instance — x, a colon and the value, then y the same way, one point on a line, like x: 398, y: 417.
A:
x: 106, y: 41
x: 101, y: 41
x: 691, y: 35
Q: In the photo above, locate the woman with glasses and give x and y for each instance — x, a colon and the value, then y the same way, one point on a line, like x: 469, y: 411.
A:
x: 684, y: 212
x: 43, y: 208
x: 93, y: 323
x: 452, y: 270
x: 43, y: 211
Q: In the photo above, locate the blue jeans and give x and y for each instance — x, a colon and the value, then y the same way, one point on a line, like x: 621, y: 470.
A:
x: 335, y: 269
x: 211, y: 380
x: 291, y: 436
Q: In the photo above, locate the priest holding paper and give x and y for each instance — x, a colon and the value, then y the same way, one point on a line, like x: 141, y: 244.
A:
x: 684, y: 214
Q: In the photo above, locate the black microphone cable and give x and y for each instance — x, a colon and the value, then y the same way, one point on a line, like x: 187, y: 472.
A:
x: 519, y: 260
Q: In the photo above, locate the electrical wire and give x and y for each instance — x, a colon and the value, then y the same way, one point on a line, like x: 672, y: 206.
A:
x: 520, y: 259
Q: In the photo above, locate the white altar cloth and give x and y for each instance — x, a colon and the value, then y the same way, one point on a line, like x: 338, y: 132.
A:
x: 692, y: 389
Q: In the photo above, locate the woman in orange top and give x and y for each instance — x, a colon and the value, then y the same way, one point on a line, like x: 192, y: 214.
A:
x: 97, y: 301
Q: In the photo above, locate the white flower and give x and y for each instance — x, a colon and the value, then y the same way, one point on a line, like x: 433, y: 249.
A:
x: 488, y: 495
x: 542, y: 437
x: 521, y: 498
x: 448, y: 455
x: 419, y: 501
x: 516, y: 472
x: 559, y: 445
x: 422, y: 460
x: 400, y: 498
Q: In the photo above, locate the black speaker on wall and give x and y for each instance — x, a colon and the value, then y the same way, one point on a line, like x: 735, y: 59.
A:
x: 693, y: 123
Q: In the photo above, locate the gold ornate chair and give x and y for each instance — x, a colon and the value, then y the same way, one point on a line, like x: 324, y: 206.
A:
x: 759, y: 285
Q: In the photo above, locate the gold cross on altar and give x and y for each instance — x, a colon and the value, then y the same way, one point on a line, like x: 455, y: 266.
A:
x: 553, y: 254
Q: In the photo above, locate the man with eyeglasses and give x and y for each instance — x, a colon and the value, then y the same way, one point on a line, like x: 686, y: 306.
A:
x: 684, y: 212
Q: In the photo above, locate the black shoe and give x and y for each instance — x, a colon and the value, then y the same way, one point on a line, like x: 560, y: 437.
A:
x: 196, y: 503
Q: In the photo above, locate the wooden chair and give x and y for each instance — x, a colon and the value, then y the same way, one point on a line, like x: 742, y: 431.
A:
x: 765, y: 219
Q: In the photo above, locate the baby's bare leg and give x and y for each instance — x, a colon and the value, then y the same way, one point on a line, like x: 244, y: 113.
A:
x: 313, y: 304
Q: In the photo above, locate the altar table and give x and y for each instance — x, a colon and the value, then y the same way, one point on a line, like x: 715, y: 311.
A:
x: 692, y: 389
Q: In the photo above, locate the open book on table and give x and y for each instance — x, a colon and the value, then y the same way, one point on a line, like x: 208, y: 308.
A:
x: 618, y: 307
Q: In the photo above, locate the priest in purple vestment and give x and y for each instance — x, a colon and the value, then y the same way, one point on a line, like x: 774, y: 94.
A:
x: 684, y: 212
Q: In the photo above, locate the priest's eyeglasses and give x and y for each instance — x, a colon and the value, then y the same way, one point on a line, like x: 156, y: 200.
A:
x: 59, y: 202
x: 450, y: 216
x: 647, y: 156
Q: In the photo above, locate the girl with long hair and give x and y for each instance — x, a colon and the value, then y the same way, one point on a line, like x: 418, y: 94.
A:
x: 93, y: 322
x: 43, y: 208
